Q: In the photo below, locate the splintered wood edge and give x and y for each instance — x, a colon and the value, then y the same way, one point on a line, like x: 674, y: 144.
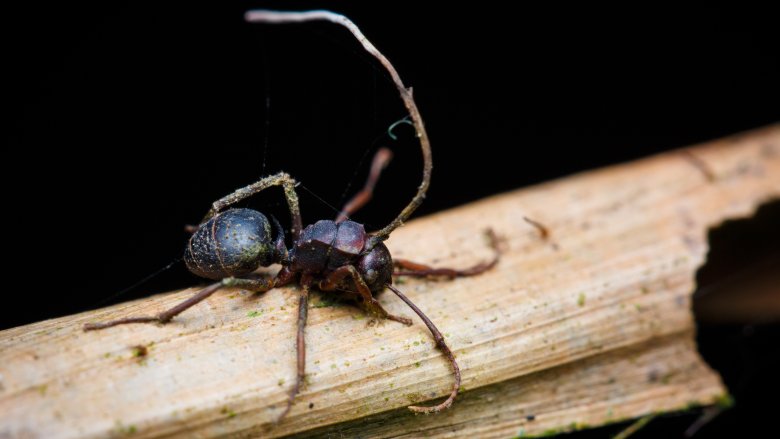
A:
x: 588, y: 326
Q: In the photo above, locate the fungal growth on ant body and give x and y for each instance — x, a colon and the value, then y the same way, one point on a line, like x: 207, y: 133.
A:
x: 332, y: 256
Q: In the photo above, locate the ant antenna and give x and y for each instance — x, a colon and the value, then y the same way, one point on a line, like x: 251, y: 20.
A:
x: 266, y: 16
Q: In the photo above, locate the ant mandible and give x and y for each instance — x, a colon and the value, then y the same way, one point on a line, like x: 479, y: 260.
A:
x: 332, y: 256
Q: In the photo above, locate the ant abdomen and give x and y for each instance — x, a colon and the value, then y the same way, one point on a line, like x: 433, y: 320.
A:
x: 232, y: 243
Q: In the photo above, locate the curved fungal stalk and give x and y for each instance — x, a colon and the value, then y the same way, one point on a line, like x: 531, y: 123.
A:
x: 267, y: 16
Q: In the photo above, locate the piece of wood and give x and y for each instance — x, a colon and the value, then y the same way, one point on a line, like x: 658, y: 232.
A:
x: 589, y: 326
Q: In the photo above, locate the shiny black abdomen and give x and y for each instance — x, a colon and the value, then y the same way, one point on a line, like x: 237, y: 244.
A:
x: 232, y: 243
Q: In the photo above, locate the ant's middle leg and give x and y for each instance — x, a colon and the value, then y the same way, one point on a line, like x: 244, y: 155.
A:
x: 281, y: 179
x: 411, y: 268
x: 378, y: 164
x: 367, y: 300
x: 254, y: 285
x: 300, y: 345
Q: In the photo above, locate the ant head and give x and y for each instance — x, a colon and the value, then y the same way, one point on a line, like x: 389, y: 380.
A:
x: 234, y: 243
x: 376, y: 267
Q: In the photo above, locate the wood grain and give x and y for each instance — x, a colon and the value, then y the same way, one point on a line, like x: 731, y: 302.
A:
x: 590, y: 326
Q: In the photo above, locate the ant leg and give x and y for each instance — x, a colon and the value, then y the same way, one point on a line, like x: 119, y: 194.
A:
x: 378, y: 164
x: 368, y: 302
x: 255, y: 285
x: 410, y: 268
x: 300, y: 347
x: 442, y: 347
x: 281, y: 179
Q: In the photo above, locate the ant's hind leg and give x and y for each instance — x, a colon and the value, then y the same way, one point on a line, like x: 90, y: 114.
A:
x: 367, y: 300
x: 255, y: 285
x: 281, y: 179
x: 411, y: 268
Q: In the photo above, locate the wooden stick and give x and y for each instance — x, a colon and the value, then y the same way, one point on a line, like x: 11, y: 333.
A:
x: 589, y: 326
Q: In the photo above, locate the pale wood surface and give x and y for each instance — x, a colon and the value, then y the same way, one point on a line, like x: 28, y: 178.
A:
x: 589, y: 327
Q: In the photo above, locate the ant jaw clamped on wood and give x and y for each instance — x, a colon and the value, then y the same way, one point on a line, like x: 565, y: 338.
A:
x: 231, y: 243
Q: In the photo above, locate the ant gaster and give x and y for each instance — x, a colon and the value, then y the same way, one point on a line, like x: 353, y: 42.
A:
x: 332, y: 256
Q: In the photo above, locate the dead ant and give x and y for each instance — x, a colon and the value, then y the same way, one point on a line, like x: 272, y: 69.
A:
x: 332, y: 256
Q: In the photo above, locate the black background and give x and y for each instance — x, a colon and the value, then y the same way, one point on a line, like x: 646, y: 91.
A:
x: 126, y: 120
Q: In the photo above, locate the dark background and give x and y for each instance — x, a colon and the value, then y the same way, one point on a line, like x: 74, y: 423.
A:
x: 126, y: 121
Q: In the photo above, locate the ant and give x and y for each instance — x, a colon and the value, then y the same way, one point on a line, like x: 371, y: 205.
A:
x: 332, y: 256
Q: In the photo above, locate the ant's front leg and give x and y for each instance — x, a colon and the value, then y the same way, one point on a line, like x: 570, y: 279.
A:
x: 366, y: 299
x: 442, y: 345
x: 411, y: 268
x: 254, y: 285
